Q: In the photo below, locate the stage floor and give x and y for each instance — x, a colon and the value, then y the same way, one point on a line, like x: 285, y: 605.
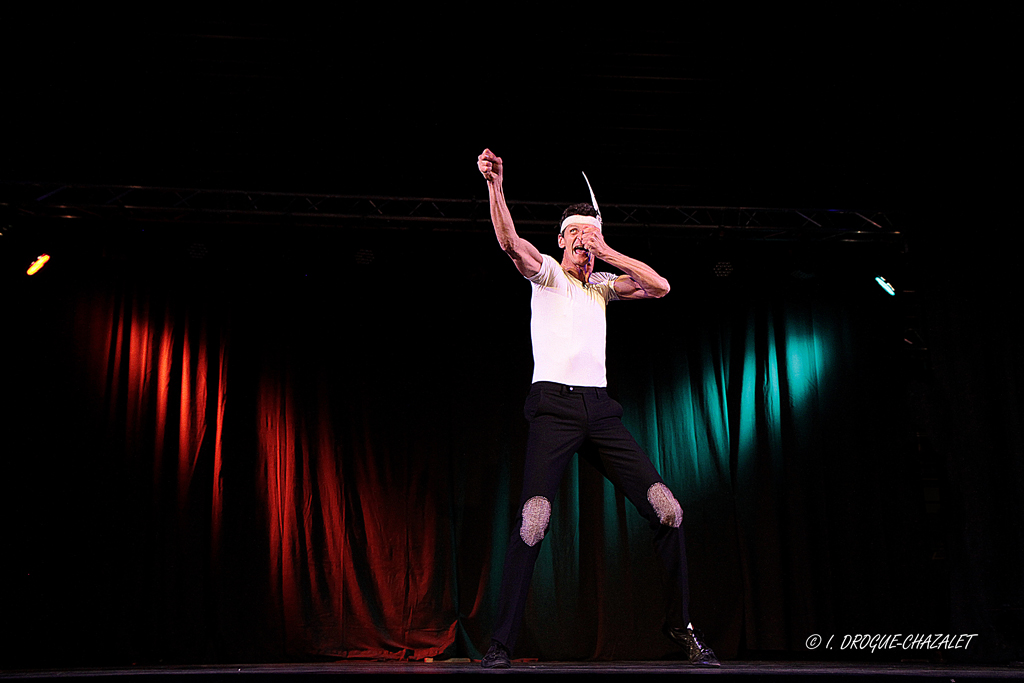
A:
x: 729, y: 670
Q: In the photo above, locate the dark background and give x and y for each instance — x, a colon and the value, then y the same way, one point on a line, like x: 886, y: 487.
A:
x: 304, y: 441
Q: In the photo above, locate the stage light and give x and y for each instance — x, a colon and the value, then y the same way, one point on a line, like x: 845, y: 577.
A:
x: 885, y: 285
x: 37, y: 264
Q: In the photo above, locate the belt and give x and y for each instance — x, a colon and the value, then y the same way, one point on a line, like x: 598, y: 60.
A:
x: 601, y: 392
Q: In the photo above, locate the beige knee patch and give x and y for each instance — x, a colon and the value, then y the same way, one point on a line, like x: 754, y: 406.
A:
x: 536, y: 513
x: 665, y: 504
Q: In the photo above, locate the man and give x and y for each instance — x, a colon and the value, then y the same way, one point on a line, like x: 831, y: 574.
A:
x: 569, y: 409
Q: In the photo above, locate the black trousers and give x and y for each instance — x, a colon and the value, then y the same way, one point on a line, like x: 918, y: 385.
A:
x: 565, y: 420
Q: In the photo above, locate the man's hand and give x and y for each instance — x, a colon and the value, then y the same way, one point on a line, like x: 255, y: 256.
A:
x: 490, y: 166
x: 593, y: 240
x: 640, y: 280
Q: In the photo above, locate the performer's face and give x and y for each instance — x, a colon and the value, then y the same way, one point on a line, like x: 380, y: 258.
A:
x: 571, y: 241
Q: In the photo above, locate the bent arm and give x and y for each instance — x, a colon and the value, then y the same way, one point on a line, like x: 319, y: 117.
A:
x: 523, y: 254
x: 640, y: 280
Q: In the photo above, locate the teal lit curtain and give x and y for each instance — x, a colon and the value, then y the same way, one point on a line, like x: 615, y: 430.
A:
x: 760, y: 410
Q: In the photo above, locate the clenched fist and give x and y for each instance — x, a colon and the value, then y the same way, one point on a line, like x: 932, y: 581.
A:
x: 490, y: 166
x: 593, y: 241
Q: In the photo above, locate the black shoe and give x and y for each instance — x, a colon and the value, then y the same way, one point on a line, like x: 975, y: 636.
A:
x: 693, y: 643
x: 498, y: 657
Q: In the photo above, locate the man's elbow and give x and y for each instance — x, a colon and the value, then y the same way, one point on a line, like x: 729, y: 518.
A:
x: 660, y: 289
x: 508, y: 245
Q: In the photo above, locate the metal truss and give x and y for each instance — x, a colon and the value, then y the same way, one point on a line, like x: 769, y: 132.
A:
x: 132, y: 203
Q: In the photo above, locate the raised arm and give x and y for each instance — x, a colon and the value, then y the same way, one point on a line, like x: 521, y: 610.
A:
x: 640, y: 280
x: 523, y: 254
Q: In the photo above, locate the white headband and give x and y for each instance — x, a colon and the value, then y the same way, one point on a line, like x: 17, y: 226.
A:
x: 580, y: 220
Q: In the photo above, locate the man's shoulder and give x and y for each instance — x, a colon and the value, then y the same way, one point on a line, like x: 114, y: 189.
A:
x: 549, y: 270
x: 605, y: 283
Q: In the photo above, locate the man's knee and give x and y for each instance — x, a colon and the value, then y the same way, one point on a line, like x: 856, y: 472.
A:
x: 536, y: 513
x: 669, y: 512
